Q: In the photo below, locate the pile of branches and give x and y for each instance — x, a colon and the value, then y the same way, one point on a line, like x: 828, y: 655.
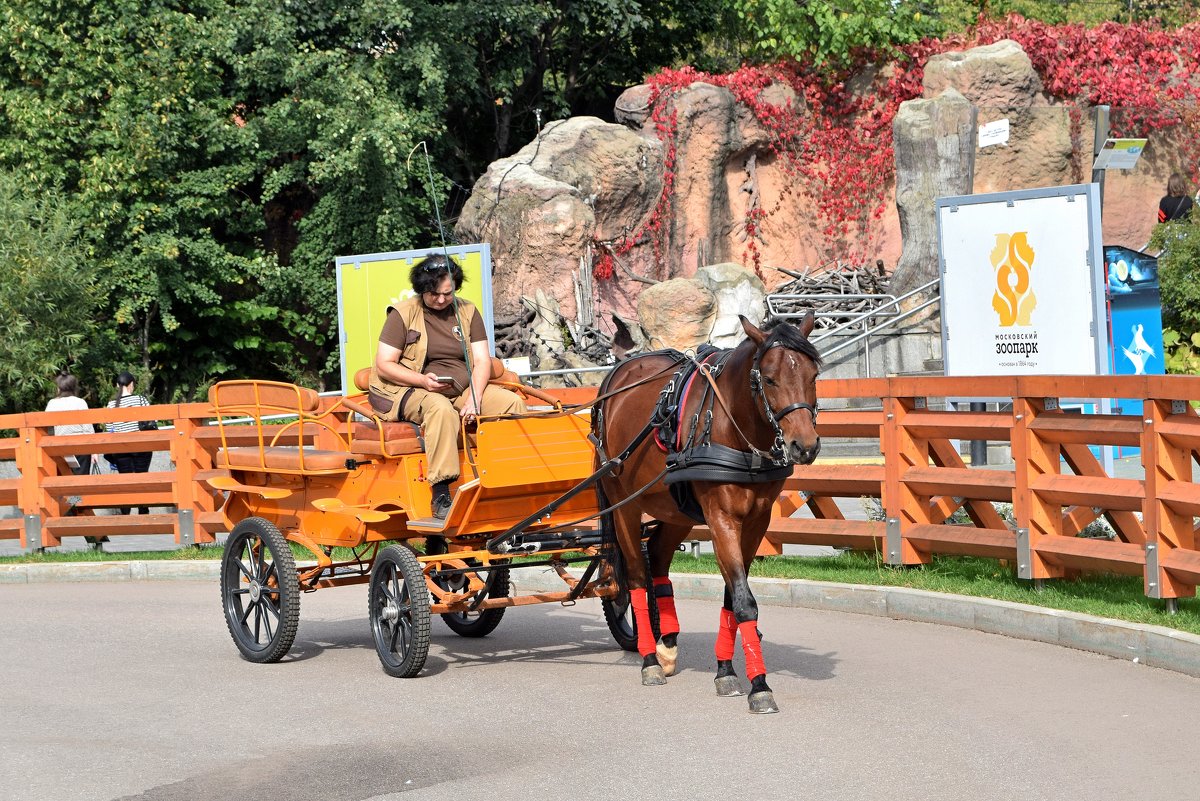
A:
x: 831, y: 291
x: 513, y: 339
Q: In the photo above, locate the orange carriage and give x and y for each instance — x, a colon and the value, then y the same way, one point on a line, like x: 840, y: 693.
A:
x: 358, y: 484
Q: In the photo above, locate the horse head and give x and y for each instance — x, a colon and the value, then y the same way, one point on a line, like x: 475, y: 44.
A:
x: 783, y: 380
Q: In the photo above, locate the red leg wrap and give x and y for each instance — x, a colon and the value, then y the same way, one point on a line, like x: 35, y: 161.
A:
x: 668, y: 620
x: 752, y: 645
x: 641, y: 615
x: 726, y: 636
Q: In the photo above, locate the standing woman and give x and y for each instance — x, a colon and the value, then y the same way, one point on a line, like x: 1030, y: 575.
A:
x: 125, y: 397
x: 1175, y: 205
x: 68, y: 399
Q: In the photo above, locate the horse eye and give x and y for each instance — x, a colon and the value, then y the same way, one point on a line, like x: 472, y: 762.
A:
x: 770, y: 381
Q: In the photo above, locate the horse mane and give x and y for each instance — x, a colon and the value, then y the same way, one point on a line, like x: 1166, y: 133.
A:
x: 783, y: 333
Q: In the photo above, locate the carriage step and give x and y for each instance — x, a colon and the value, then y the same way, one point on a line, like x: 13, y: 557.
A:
x: 428, y: 523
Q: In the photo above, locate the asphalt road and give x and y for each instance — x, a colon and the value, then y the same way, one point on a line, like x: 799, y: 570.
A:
x: 135, y: 691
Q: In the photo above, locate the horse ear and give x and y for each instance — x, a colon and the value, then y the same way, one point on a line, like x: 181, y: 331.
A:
x: 806, y: 325
x: 752, y: 331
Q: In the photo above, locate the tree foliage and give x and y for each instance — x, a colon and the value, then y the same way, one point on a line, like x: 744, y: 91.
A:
x: 47, y: 294
x: 830, y: 32
x: 216, y: 155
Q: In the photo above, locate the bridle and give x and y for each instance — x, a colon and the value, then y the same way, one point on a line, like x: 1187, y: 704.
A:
x: 760, y: 393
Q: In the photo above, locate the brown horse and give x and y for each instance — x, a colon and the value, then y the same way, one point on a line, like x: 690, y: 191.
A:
x: 743, y: 425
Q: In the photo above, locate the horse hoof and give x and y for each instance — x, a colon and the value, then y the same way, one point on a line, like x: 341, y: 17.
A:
x: 668, y: 656
x: 763, y: 703
x: 728, y: 686
x: 653, y: 676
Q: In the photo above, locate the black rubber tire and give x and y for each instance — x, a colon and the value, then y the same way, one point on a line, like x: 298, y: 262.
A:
x: 481, y: 624
x: 398, y: 608
x: 618, y: 614
x: 259, y: 591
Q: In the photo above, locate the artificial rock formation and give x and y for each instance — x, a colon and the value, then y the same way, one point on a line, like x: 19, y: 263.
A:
x: 738, y: 292
x: 584, y: 185
x: 1000, y: 81
x: 678, y: 314
x: 935, y: 152
x: 581, y: 179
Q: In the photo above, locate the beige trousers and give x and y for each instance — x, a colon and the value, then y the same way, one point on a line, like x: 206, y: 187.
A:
x: 439, y: 420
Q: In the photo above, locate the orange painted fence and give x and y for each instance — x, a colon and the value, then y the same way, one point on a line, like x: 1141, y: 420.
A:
x: 1056, y: 486
x: 54, y: 503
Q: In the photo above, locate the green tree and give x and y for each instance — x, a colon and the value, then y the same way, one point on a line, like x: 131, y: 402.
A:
x: 519, y: 62
x: 47, y: 295
x: 119, y: 105
x: 830, y: 32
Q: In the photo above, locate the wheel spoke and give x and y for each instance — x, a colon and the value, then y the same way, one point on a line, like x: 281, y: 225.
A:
x: 250, y: 607
x: 405, y: 628
x: 252, y: 556
x: 266, y: 621
x: 241, y: 565
x: 257, y: 621
x: 394, y: 633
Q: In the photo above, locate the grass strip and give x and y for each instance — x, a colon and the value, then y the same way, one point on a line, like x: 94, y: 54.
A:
x: 1102, y: 595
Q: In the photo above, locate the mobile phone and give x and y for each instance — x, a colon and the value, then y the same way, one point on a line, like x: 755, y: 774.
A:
x: 445, y: 379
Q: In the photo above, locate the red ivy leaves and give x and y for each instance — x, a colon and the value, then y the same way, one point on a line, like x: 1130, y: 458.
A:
x: 837, y: 147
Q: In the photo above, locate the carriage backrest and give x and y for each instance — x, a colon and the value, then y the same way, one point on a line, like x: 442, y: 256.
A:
x: 255, y: 398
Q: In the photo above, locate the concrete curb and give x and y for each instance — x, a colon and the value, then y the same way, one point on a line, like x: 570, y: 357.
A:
x: 1156, y: 646
x: 1148, y: 645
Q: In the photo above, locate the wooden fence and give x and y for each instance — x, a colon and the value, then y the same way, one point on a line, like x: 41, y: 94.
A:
x: 1056, y: 486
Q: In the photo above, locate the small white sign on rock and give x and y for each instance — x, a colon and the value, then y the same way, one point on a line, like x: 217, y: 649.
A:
x: 993, y: 133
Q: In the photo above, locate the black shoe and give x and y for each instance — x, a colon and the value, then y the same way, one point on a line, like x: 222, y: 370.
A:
x: 441, y: 507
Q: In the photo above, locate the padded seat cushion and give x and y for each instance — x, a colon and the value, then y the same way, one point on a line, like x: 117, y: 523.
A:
x: 281, y: 458
x: 401, y: 438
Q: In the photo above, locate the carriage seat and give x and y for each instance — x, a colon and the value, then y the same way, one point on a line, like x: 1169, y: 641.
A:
x: 281, y: 457
x: 400, y: 437
x: 259, y: 399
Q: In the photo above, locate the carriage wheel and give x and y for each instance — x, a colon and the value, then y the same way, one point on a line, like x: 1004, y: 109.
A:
x: 618, y: 612
x: 471, y: 624
x: 260, y: 591
x: 478, y: 624
x: 399, y: 611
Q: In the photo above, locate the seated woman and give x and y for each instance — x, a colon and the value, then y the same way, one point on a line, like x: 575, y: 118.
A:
x: 426, y: 373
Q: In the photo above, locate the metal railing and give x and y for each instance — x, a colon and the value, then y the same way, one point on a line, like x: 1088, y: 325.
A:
x: 889, y: 309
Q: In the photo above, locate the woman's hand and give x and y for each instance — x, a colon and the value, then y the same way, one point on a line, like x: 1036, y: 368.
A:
x: 468, y: 411
x: 431, y: 383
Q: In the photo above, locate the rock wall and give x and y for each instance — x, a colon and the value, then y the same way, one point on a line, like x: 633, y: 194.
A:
x: 583, y: 181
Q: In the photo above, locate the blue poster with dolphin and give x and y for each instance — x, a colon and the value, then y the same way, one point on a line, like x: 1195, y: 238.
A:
x: 1135, y: 331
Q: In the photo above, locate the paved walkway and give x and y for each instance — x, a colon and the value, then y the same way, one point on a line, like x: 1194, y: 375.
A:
x: 135, y: 691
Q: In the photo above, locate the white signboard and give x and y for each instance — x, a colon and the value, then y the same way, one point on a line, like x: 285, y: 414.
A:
x: 1020, y: 295
x: 1119, y: 154
x: 993, y: 133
